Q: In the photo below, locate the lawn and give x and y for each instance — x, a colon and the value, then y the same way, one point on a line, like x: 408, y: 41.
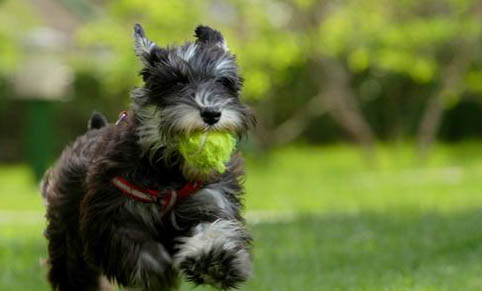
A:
x: 323, y: 220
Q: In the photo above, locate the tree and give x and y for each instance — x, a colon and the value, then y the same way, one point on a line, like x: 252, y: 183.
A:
x: 428, y: 42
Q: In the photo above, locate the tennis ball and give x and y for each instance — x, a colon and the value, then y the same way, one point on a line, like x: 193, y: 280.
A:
x: 207, y: 151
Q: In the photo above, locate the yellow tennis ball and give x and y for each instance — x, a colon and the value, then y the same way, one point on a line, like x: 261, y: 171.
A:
x: 207, y: 151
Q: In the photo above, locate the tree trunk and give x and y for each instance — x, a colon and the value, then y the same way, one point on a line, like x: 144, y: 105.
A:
x: 430, y: 124
x: 335, y: 98
x: 341, y: 103
x: 432, y: 116
x: 293, y: 127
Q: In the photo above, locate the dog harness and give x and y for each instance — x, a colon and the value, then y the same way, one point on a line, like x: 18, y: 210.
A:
x: 164, y: 198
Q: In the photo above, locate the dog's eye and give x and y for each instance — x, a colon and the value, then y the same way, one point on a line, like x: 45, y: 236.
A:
x: 227, y: 82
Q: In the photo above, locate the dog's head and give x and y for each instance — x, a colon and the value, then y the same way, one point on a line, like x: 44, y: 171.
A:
x: 187, y: 88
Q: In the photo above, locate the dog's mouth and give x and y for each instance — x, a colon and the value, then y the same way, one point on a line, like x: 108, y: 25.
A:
x: 161, y: 130
x: 180, y: 120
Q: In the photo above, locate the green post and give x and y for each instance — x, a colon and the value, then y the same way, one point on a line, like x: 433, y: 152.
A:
x: 39, y: 135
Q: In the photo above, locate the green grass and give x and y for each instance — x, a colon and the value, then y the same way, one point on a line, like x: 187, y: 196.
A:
x: 337, y: 179
x: 393, y: 225
x: 18, y: 189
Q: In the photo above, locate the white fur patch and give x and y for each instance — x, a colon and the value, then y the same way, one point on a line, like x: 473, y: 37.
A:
x: 216, y: 239
x: 187, y: 53
x: 223, y: 45
x: 183, y: 118
x: 229, y: 119
x: 207, y: 236
x: 203, y: 98
x: 223, y: 65
x: 143, y: 47
x: 212, y: 195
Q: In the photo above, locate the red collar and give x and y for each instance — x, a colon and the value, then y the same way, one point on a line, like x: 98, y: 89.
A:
x: 166, y: 198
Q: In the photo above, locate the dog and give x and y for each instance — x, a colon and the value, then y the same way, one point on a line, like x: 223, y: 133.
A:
x: 121, y: 201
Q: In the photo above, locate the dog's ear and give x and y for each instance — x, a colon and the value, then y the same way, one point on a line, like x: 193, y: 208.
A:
x: 97, y: 120
x: 207, y: 35
x: 145, y: 48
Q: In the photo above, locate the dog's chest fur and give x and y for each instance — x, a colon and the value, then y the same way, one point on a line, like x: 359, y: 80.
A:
x: 116, y: 153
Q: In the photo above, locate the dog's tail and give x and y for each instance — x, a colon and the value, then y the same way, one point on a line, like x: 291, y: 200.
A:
x: 97, y: 120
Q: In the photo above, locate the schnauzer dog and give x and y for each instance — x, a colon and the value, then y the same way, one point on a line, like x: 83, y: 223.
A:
x: 121, y: 201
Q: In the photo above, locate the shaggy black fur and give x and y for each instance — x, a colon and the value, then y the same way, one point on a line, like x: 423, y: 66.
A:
x: 94, y: 230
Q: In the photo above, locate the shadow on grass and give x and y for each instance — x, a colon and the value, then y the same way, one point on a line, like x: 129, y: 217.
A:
x: 369, y: 251
x: 397, y: 251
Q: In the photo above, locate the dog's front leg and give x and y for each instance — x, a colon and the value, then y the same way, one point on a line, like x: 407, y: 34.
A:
x: 216, y: 253
x: 129, y: 255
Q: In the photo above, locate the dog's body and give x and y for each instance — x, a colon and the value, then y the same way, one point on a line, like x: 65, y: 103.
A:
x: 94, y: 229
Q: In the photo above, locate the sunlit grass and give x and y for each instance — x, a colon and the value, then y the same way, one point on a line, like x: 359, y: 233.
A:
x: 338, y: 178
x: 365, y: 251
x: 389, y: 225
x: 18, y: 189
x: 327, y: 179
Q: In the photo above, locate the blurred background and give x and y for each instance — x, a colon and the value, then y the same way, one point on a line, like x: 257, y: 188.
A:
x: 365, y: 170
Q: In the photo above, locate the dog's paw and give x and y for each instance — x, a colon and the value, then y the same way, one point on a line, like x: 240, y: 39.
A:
x: 216, y: 254
x: 219, y: 267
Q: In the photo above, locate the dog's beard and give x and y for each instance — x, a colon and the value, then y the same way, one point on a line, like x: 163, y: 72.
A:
x: 160, y: 128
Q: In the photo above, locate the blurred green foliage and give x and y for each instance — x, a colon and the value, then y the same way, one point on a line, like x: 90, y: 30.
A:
x: 262, y: 48
x: 18, y: 15
x: 413, y: 38
x: 315, y: 71
x: 409, y: 37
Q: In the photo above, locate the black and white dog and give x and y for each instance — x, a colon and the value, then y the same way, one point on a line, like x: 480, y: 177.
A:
x: 121, y: 202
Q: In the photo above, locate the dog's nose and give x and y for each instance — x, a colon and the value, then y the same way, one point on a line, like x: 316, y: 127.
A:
x: 210, y: 115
